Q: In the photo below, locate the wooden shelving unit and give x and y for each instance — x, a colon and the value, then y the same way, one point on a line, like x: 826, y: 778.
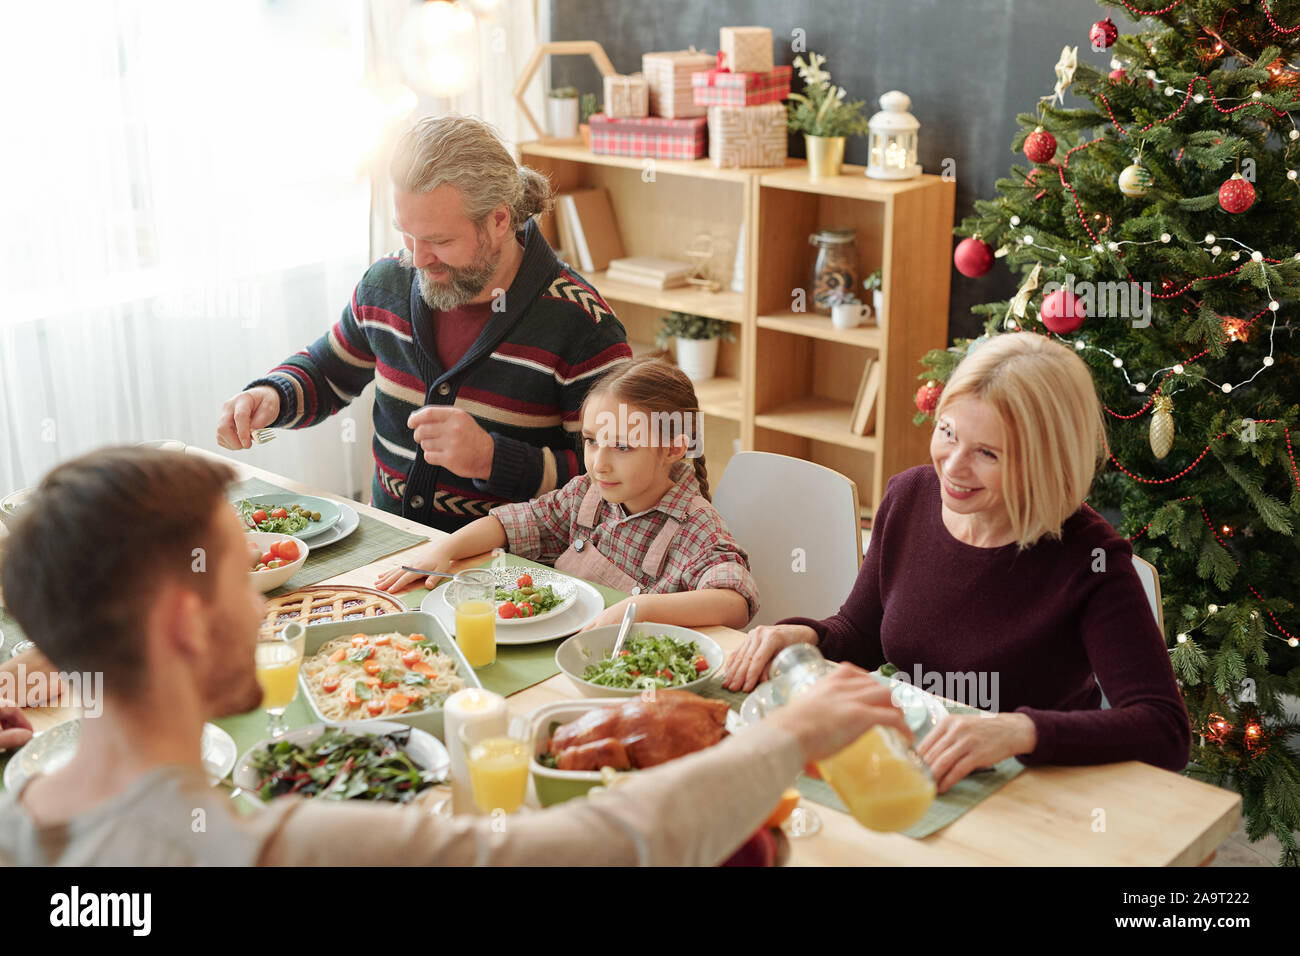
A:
x: 788, y: 382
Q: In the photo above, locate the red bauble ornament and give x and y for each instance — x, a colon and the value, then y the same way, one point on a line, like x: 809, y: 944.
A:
x: 1040, y: 146
x: 1236, y: 195
x: 1062, y: 312
x: 927, y: 396
x: 1103, y: 34
x: 973, y: 257
x: 1117, y: 76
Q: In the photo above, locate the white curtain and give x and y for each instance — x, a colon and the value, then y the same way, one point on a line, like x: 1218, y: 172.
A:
x: 188, y: 199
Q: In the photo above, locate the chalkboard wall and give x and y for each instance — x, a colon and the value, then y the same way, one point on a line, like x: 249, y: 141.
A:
x: 969, y: 66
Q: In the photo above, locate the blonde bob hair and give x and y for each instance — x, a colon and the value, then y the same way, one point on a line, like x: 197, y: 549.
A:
x: 1055, y: 436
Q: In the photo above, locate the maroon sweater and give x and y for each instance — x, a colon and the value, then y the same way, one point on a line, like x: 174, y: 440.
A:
x: 1042, y: 621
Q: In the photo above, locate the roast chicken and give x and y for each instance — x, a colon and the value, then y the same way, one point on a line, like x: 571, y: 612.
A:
x: 641, y: 733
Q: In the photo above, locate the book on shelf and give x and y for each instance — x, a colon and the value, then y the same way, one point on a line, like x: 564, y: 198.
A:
x: 593, y: 230
x: 650, y: 271
x: 863, y: 419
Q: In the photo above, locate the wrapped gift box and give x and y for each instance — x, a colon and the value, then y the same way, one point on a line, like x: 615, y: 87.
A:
x: 747, y: 135
x: 626, y: 96
x: 659, y: 137
x: 721, y: 88
x: 745, y: 49
x: 669, y: 78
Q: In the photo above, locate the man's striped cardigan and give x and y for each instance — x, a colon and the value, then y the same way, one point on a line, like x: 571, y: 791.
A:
x: 523, y: 380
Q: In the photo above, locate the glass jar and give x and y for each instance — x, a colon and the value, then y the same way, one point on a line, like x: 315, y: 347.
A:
x: 835, y: 271
x: 880, y: 778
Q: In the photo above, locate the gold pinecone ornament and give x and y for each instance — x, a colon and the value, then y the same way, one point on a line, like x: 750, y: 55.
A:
x: 1162, y: 426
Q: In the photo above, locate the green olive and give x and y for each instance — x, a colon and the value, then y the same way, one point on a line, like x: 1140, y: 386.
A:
x: 315, y: 516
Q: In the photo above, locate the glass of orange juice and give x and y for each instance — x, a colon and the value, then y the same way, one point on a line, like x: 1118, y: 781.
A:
x: 473, y: 595
x: 278, y: 659
x: 498, y: 765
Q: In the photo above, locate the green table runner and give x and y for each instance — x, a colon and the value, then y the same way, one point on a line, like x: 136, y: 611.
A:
x: 946, y: 808
x: 372, y: 540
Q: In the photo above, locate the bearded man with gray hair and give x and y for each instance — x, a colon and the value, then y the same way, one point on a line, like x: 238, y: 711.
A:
x: 481, y: 342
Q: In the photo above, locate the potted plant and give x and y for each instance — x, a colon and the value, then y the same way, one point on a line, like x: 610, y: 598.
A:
x: 822, y: 115
x: 562, y: 106
x: 873, y: 284
x: 696, y: 340
x: 590, y: 105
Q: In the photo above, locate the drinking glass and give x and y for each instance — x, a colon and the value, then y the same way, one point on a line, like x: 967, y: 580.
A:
x: 278, y: 659
x: 473, y: 595
x: 498, y: 765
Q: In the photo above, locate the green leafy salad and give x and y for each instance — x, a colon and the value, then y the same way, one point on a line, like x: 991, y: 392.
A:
x: 342, y: 766
x: 281, y: 520
x: 648, y: 662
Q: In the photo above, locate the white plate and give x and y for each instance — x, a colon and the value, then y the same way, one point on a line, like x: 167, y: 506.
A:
x: 921, y: 710
x: 425, y: 750
x: 562, y: 586
x: 586, y: 605
x: 51, y: 750
x: 348, y: 522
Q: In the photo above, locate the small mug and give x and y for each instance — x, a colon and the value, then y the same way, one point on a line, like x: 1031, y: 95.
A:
x: 849, y: 315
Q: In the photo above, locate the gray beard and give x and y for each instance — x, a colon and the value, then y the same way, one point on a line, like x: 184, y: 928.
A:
x: 465, y: 284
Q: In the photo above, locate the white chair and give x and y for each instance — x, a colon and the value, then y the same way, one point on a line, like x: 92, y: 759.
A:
x: 1151, y: 584
x: 798, y: 522
x: 1150, y: 578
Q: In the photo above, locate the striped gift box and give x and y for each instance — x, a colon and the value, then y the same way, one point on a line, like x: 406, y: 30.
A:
x: 745, y: 49
x: 722, y: 88
x: 747, y: 135
x: 669, y: 78
x: 658, y: 137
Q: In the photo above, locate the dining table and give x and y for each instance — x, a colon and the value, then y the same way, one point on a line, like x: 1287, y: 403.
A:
x: 1118, y: 814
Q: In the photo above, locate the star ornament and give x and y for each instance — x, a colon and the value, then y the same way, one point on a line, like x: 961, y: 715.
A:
x: 1065, y: 68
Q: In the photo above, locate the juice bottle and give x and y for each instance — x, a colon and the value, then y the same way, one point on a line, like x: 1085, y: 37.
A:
x: 498, y: 773
x: 881, y: 780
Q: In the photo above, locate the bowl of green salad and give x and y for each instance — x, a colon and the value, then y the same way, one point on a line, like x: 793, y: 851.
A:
x: 653, y: 656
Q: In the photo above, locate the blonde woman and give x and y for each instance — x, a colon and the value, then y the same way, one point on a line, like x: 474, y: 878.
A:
x: 986, y: 570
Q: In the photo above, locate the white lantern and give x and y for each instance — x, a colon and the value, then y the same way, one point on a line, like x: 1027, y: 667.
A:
x: 892, y: 139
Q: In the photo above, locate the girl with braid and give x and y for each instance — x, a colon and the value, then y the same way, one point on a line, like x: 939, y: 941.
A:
x: 639, y: 520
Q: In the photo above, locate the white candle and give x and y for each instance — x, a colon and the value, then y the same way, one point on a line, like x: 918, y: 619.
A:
x: 486, y: 712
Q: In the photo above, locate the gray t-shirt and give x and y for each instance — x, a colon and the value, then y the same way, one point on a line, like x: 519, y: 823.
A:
x: 693, y: 811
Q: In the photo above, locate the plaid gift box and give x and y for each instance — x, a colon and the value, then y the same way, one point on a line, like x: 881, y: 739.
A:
x: 669, y: 78
x: 747, y: 135
x: 720, y: 88
x: 626, y: 96
x: 745, y: 49
x: 655, y: 136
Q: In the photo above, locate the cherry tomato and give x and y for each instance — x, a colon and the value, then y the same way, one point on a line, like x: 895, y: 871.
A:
x: 526, y: 609
x: 259, y: 516
x: 373, y: 667
x: 525, y: 581
x: 288, y: 550
x: 412, y: 657
x: 359, y: 639
x: 624, y: 653
x: 268, y: 557
x: 507, y: 610
x: 701, y: 665
x: 377, y: 705
x: 279, y: 513
x: 666, y: 674
x: 329, y: 686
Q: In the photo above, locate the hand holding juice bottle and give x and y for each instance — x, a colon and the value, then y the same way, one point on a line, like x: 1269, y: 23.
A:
x: 881, y: 780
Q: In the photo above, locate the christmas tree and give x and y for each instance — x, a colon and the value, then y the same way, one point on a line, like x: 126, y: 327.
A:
x: 1157, y: 231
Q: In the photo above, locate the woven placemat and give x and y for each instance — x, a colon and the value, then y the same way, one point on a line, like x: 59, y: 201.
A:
x: 371, y: 541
